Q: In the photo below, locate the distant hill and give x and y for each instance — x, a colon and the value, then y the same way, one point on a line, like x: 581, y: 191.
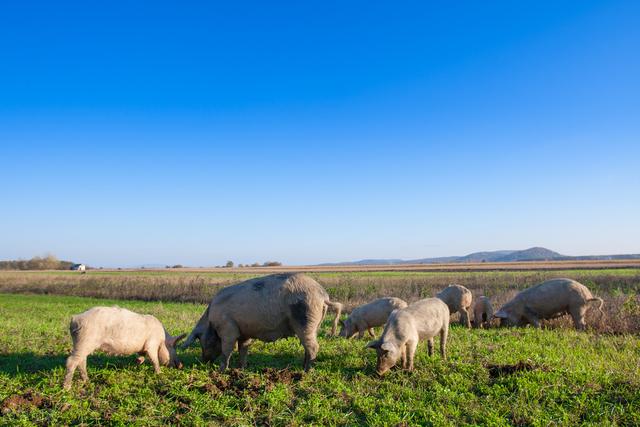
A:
x: 368, y: 262
x: 531, y: 254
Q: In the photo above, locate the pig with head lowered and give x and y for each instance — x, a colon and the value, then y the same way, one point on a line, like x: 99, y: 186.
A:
x: 482, y: 312
x: 458, y: 299
x: 422, y: 320
x: 549, y: 300
x: 368, y: 316
x: 118, y: 331
x: 265, y: 308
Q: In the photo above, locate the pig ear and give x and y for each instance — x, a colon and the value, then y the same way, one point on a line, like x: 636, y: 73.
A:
x: 501, y: 314
x: 388, y: 346
x: 174, y: 340
x: 375, y: 344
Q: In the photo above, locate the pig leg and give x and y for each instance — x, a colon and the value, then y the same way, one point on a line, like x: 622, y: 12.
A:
x: 243, y: 349
x: 228, y: 344
x: 578, y: 313
x: 430, y: 346
x: 305, y: 323
x: 411, y: 351
x: 373, y: 335
x: 403, y: 357
x: 72, y: 363
x: 338, y: 308
x: 82, y: 366
x: 229, y: 334
x: 362, y: 328
x: 152, y: 354
x: 444, y: 332
x: 311, y: 347
x: 532, y: 317
x: 307, y: 336
x: 464, y: 317
x: 77, y: 358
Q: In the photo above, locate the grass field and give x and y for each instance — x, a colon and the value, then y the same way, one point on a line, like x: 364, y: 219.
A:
x: 618, y: 287
x: 496, y: 377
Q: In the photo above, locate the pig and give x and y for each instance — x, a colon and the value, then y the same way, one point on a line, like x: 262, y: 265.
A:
x: 482, y: 312
x: 458, y: 299
x: 118, y: 331
x: 265, y: 308
x: 368, y: 316
x: 421, y: 320
x: 550, y: 299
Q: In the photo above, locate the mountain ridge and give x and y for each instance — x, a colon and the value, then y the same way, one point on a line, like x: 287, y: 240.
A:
x: 536, y: 253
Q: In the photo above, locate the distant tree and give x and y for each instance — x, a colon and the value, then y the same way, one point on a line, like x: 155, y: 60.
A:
x: 240, y: 265
x: 229, y: 264
x: 48, y: 262
x: 272, y: 264
x: 255, y: 264
x: 177, y: 266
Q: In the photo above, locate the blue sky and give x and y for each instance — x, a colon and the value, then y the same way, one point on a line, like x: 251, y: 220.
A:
x: 310, y: 132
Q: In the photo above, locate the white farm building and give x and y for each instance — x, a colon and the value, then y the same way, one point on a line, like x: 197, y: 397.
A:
x: 78, y: 267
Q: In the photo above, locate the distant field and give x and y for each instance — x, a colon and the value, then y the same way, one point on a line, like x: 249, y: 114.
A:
x: 493, y: 377
x: 618, y: 286
x: 443, y: 267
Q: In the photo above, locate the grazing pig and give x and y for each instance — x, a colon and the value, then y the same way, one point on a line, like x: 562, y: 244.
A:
x: 482, y: 312
x: 368, y: 316
x: 548, y: 300
x: 265, y: 308
x: 421, y: 320
x: 118, y: 331
x: 458, y: 299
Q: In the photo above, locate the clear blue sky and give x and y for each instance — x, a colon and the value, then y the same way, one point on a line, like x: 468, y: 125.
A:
x: 307, y: 132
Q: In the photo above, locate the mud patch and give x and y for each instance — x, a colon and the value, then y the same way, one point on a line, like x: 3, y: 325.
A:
x: 22, y: 402
x: 497, y: 371
x: 281, y: 375
x: 240, y: 383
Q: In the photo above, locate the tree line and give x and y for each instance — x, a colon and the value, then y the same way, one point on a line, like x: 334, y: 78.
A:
x: 48, y: 262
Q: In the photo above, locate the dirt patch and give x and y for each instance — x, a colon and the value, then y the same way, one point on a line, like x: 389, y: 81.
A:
x: 21, y: 402
x: 240, y: 383
x: 281, y: 375
x: 496, y: 371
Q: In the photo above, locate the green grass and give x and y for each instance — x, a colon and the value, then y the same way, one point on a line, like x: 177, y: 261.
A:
x: 565, y: 378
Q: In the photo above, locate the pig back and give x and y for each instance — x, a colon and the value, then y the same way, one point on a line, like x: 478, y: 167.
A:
x: 377, y: 312
x: 115, y: 330
x: 263, y: 307
x: 429, y: 316
x: 553, y: 296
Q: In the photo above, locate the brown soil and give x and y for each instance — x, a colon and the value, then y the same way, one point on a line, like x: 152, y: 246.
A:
x: 21, y: 402
x: 496, y: 371
x: 238, y: 382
